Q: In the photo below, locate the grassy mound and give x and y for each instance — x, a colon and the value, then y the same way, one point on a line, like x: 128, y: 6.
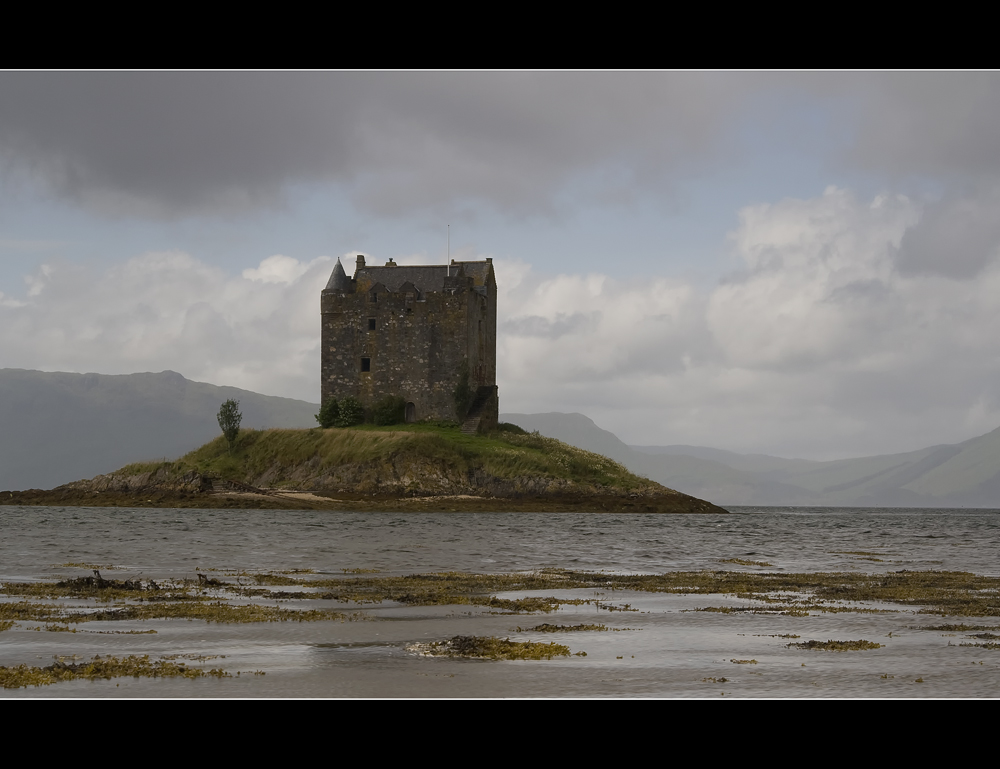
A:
x: 400, y: 459
x: 401, y: 467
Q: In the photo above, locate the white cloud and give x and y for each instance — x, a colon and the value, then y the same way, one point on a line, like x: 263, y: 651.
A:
x: 820, y: 347
x: 816, y: 270
x: 168, y: 310
x: 36, y: 283
x: 280, y: 269
x: 5, y: 302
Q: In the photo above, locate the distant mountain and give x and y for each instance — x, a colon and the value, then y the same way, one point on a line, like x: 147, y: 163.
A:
x: 960, y: 475
x: 58, y: 427
x: 753, y: 463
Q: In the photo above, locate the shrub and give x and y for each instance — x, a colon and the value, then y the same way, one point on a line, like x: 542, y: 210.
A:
x: 351, y: 413
x: 328, y: 414
x: 391, y: 410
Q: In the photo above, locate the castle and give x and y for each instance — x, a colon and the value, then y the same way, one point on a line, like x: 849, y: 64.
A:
x: 426, y: 334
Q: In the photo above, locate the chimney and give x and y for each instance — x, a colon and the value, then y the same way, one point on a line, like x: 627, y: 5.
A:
x: 361, y: 261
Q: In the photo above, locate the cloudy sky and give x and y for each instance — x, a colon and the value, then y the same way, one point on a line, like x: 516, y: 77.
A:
x: 797, y: 264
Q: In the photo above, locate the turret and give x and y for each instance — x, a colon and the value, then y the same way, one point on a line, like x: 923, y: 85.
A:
x: 338, y: 280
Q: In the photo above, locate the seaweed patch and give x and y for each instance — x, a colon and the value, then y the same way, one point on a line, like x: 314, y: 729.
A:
x: 777, y: 609
x: 251, y: 597
x: 545, y: 627
x: 100, y: 668
x: 491, y: 648
x: 838, y: 646
x: 960, y: 628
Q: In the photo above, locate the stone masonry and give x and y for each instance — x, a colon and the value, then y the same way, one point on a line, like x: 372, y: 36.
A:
x: 412, y: 332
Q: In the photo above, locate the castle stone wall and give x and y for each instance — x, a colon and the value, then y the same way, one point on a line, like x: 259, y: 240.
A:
x: 414, y: 342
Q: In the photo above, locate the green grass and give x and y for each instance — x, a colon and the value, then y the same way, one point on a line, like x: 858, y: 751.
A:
x: 290, y: 457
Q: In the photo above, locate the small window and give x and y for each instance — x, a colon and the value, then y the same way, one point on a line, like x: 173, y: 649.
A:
x: 371, y: 324
x: 374, y: 297
x: 366, y: 364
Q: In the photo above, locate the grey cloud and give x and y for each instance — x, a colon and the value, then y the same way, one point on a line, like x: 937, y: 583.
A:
x: 175, y: 142
x: 535, y: 325
x: 939, y: 123
x: 169, y: 143
x: 955, y: 238
x: 861, y: 292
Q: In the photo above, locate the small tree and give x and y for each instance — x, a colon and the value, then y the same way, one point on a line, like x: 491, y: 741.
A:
x: 229, y: 420
x: 328, y: 414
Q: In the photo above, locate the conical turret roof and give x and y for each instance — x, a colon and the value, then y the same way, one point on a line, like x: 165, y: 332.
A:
x: 338, y: 279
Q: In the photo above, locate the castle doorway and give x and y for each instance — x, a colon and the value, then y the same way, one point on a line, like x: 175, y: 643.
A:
x: 411, y: 413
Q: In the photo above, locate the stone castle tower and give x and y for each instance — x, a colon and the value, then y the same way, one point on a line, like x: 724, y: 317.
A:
x: 415, y: 333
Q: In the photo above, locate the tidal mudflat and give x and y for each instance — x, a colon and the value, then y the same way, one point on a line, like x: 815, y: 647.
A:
x: 99, y: 602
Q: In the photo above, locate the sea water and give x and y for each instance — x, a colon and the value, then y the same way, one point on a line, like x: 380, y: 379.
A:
x: 661, y: 648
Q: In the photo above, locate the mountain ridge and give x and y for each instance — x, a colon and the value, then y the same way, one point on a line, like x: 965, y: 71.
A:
x: 965, y: 474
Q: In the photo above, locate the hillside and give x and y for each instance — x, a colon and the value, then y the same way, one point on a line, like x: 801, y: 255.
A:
x: 387, y: 467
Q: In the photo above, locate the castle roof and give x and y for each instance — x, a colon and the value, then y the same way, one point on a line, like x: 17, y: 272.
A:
x: 423, y: 277
x: 338, y: 279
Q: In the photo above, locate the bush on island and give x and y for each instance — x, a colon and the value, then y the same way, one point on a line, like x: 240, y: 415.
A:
x: 391, y: 410
x: 328, y: 414
x: 351, y: 413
